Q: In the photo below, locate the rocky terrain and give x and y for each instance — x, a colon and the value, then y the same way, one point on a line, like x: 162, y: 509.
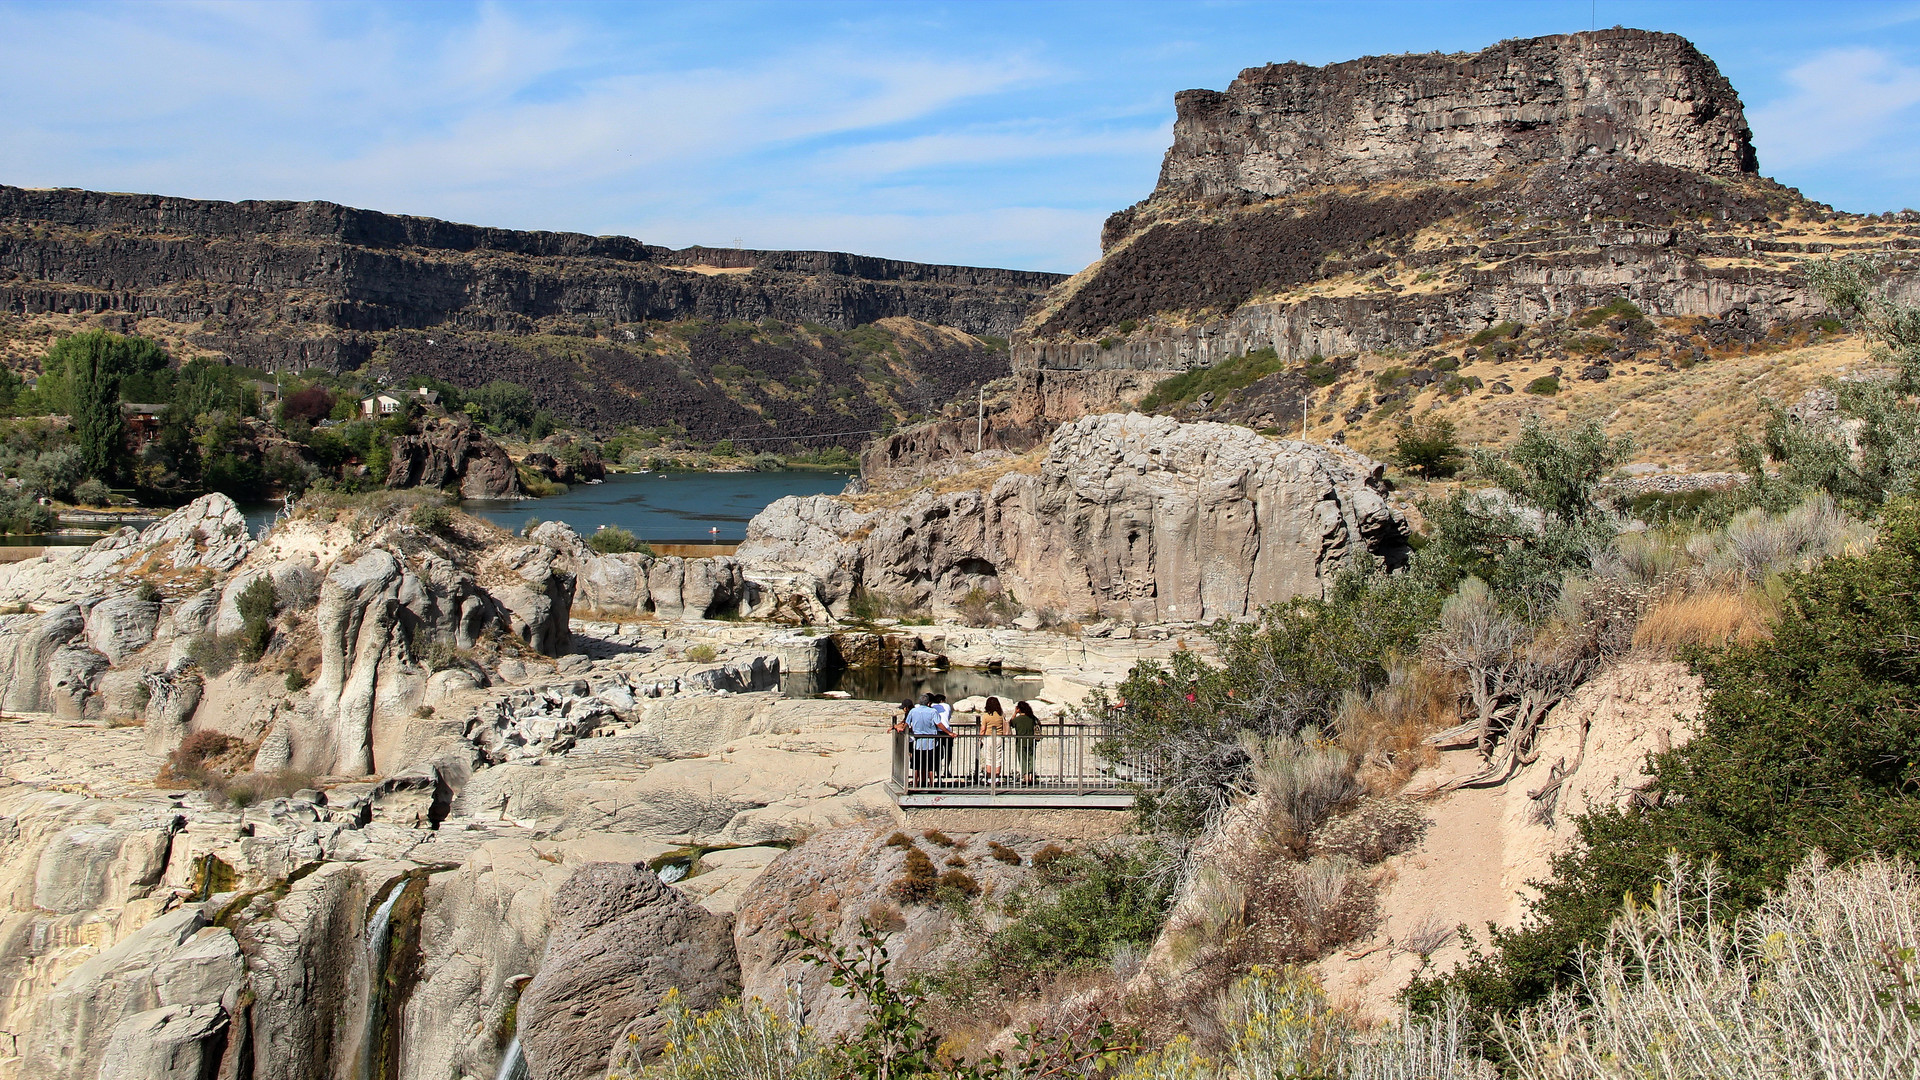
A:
x: 417, y: 792
x: 1390, y: 206
x: 1122, y: 516
x: 387, y: 791
x: 605, y: 331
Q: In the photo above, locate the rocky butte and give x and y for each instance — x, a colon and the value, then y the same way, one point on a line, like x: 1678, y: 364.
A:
x: 1396, y: 202
x: 463, y: 801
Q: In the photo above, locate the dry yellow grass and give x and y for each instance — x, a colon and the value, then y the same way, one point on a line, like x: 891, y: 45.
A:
x: 1686, y: 418
x: 1715, y: 617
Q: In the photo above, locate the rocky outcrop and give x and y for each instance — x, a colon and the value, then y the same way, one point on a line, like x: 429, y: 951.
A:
x: 673, y: 587
x: 208, y: 534
x: 1629, y: 95
x: 453, y: 453
x: 25, y: 666
x: 1138, y: 517
x: 620, y: 941
x: 836, y: 879
x: 156, y: 1005
x: 1396, y: 203
x: 531, y: 723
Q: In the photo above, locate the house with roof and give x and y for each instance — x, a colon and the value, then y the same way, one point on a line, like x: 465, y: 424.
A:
x: 379, y: 405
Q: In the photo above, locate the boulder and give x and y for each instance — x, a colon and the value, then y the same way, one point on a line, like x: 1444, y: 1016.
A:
x: 450, y: 452
x: 172, y: 697
x: 360, y: 651
x: 119, y: 627
x: 683, y: 588
x: 537, y: 598
x: 177, y: 963
x: 1140, y: 517
x: 620, y: 940
x: 71, y: 675
x: 25, y: 667
x: 177, y: 1042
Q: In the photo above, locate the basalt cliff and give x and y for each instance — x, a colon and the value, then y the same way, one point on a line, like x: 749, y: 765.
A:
x: 606, y: 331
x: 1401, y: 204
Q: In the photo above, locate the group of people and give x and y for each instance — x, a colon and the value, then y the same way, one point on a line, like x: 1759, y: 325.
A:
x: 929, y: 725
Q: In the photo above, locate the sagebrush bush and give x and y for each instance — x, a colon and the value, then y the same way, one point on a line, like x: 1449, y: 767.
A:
x: 1820, y: 980
x: 614, y: 540
x: 1805, y: 742
x: 1373, y: 831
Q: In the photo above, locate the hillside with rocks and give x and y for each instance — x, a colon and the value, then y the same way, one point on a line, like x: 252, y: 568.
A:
x: 1517, y: 771
x: 605, y: 331
x: 1386, y: 220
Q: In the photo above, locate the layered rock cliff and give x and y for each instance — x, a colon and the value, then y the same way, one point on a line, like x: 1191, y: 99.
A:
x: 1400, y: 203
x: 605, y: 331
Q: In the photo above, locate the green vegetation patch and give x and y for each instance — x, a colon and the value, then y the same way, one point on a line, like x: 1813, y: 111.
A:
x: 1223, y: 378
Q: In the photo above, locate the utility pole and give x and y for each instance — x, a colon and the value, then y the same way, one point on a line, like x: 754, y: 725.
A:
x: 980, y: 422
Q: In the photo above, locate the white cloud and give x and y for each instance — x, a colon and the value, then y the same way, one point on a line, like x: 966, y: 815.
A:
x: 1843, y: 101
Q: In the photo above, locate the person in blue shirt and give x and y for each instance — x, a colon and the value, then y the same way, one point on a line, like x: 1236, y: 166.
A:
x: 928, y: 728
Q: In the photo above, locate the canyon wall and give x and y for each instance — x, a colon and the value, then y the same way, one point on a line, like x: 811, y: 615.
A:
x: 300, y: 284
x: 1395, y: 203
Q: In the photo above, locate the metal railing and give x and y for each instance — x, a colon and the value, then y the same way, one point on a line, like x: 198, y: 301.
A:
x: 1058, y: 758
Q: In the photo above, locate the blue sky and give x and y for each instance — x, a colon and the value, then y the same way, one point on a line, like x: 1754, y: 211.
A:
x: 987, y: 133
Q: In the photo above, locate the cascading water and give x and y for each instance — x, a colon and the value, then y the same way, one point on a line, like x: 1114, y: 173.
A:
x: 513, y: 1064
x: 376, y: 952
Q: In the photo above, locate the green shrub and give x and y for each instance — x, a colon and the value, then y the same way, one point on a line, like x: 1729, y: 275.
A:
x: 1620, y: 307
x: 435, y: 518
x: 257, y: 603
x: 1427, y: 447
x: 91, y: 492
x: 614, y: 540
x: 723, y: 448
x: 1099, y: 900
x: 702, y: 654
x: 1805, y: 743
x: 1497, y: 332
x: 147, y: 592
x: 1545, y: 385
x: 296, y: 681
x: 1220, y: 379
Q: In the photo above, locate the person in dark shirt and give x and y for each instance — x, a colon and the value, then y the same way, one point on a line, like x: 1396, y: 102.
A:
x: 1026, y: 731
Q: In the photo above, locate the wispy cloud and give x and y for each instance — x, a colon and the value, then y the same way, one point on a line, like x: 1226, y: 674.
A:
x: 1842, y: 101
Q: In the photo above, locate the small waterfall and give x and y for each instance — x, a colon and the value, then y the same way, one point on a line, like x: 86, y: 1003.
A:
x: 673, y: 872
x: 376, y: 952
x: 513, y: 1064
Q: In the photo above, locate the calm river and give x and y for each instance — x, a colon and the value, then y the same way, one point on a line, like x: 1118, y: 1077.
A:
x: 665, y: 508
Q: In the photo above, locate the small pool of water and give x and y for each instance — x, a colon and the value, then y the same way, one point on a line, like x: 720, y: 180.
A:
x: 665, y: 508
x: 897, y: 686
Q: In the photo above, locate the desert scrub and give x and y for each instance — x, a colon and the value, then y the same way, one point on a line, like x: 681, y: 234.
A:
x: 702, y: 654
x: 1545, y: 385
x: 1820, y: 980
x: 917, y: 882
x: 614, y: 540
x: 1091, y: 903
x: 737, y: 1040
x: 1376, y: 829
x: 1003, y: 853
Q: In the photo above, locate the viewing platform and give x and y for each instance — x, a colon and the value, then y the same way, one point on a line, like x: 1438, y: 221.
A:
x: 1058, y: 768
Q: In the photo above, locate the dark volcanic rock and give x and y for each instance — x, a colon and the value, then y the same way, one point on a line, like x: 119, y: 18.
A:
x: 1628, y: 95
x: 1436, y: 197
x: 451, y: 452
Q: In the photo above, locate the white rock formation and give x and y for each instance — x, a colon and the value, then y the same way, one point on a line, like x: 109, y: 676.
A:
x: 1132, y: 516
